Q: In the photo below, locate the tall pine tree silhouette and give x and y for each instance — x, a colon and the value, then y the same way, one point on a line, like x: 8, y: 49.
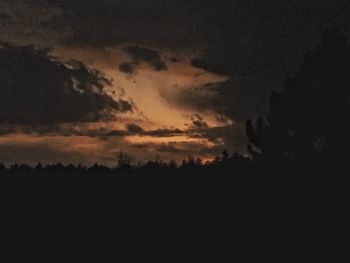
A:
x: 310, y: 120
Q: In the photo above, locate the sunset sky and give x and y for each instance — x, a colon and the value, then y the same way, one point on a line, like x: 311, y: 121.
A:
x: 146, y: 77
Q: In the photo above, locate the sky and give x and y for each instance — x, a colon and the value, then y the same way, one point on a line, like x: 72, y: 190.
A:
x: 83, y: 80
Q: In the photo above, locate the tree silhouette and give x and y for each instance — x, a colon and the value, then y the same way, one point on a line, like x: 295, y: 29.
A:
x: 124, y: 162
x: 310, y: 120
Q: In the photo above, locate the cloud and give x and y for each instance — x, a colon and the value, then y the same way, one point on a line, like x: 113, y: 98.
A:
x: 5, y: 19
x: 140, y: 55
x: 127, y: 68
x: 227, y: 99
x: 77, y: 150
x: 94, y: 130
x: 134, y: 128
x: 165, y: 132
x: 210, y: 66
x: 26, y: 22
x: 37, y: 88
x: 198, y: 122
x: 44, y: 152
x: 202, y: 140
x: 151, y: 22
x: 180, y: 150
x: 231, y: 137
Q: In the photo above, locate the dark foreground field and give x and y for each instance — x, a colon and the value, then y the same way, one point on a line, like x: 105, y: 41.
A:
x: 82, y: 207
x: 201, y: 209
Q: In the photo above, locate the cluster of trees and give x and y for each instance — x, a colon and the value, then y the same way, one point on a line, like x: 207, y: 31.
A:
x: 309, y: 121
x: 301, y: 150
x: 125, y: 166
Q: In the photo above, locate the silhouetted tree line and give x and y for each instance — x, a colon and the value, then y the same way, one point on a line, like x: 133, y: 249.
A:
x: 124, y: 166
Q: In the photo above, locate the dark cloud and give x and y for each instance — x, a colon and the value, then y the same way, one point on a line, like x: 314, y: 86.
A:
x: 210, y: 66
x: 28, y: 22
x: 151, y: 22
x: 226, y: 99
x: 127, y: 67
x: 216, y: 24
x: 134, y: 128
x: 231, y: 137
x: 5, y: 19
x: 181, y: 149
x: 198, y: 122
x: 140, y: 55
x: 258, y: 44
x: 36, y: 88
x: 84, y: 129
x: 165, y: 132
x: 174, y: 60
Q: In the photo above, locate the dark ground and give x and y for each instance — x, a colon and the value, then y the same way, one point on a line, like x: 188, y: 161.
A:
x: 256, y: 209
